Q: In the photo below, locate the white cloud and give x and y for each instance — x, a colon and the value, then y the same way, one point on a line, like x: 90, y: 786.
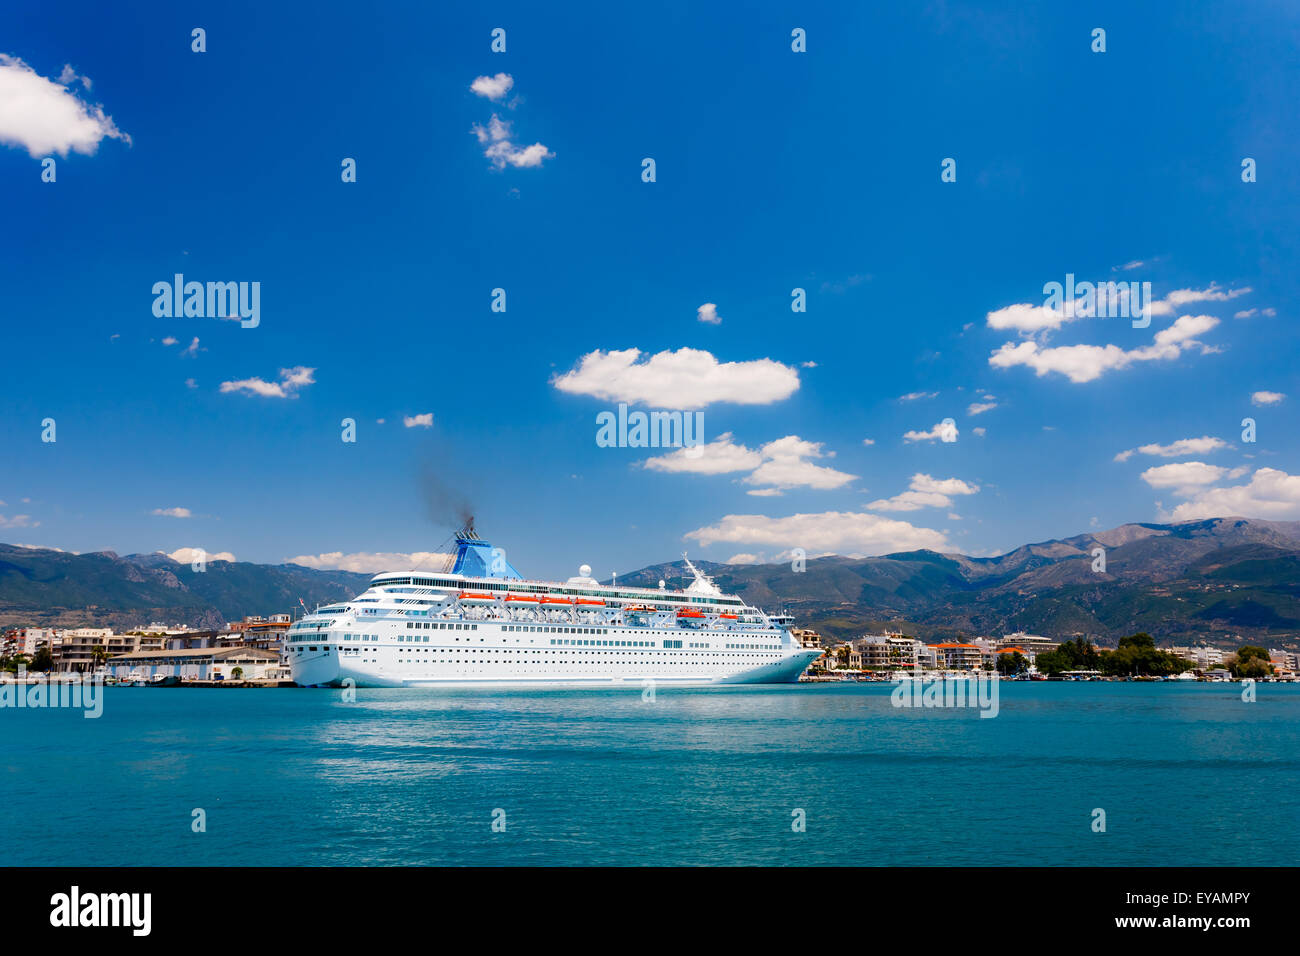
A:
x: 193, y: 348
x: 1181, y: 297
x: 44, y: 116
x: 424, y: 420
x: 925, y: 492
x: 917, y: 396
x: 172, y: 512
x: 371, y: 562
x: 291, y: 380
x: 979, y: 431
x: 943, y: 486
x: 1266, y: 398
x: 18, y: 521
x: 493, y: 87
x: 1023, y: 317
x: 934, y: 434
x: 170, y: 340
x: 1249, y: 313
x: 836, y: 532
x: 786, y: 465
x: 187, y: 555
x: 1184, y: 446
x: 718, y: 457
x: 1270, y: 494
x: 868, y: 442
x: 1184, y: 477
x: 1085, y: 363
x: 979, y: 408
x: 777, y: 465
x: 190, y: 383
x: 708, y: 313
x: 685, y: 379
x: 502, y: 151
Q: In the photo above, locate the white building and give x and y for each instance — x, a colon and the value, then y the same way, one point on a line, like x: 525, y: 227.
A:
x: 888, y: 651
x: 28, y: 639
x: 1204, y: 656
x: 199, y: 663
x: 1031, y: 645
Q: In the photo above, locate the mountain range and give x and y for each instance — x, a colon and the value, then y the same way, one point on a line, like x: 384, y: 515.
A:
x: 1224, y: 580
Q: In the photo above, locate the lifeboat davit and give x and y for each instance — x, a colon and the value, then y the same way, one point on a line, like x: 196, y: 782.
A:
x: 475, y: 597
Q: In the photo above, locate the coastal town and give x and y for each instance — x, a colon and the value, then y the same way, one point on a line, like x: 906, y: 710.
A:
x: 247, y: 653
x: 251, y: 653
x: 1018, y: 655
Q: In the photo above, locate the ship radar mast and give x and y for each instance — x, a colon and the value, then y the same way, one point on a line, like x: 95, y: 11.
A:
x: 703, y: 584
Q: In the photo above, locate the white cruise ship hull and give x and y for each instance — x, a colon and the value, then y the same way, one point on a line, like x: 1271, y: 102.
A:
x: 497, y: 660
x: 480, y: 622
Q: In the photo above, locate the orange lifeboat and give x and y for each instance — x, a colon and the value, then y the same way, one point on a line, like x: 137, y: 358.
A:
x: 727, y: 617
x: 521, y: 599
x: 552, y: 601
x: 688, y: 612
x: 474, y: 597
x: 590, y: 602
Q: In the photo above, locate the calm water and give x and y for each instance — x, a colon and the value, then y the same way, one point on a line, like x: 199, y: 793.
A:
x: 699, y: 776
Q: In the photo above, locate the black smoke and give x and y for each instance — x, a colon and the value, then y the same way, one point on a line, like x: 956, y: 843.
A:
x: 446, y: 506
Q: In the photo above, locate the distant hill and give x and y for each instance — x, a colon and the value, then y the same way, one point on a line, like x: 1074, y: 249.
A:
x: 59, y: 589
x: 1226, y: 580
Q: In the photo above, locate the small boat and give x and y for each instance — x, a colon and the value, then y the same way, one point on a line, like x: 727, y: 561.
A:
x: 552, y: 601
x: 475, y: 597
x: 687, y: 612
x: 590, y: 602
x: 521, y: 599
x: 163, y: 680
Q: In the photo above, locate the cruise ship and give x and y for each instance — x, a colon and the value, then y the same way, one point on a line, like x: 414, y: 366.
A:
x: 479, y: 621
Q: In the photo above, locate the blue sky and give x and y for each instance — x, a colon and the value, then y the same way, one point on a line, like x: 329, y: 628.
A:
x: 775, y: 170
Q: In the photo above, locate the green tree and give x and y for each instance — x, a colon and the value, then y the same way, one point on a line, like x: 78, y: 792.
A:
x: 1075, y: 655
x: 1250, y: 661
x: 98, y: 655
x: 237, y: 673
x: 1137, y: 655
x: 42, y: 660
x: 1011, y: 664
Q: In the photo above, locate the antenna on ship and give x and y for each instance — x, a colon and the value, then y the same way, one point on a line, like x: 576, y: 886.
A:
x: 703, y: 584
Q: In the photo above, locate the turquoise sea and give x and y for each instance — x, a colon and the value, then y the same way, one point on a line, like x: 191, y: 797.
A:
x: 1187, y: 774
